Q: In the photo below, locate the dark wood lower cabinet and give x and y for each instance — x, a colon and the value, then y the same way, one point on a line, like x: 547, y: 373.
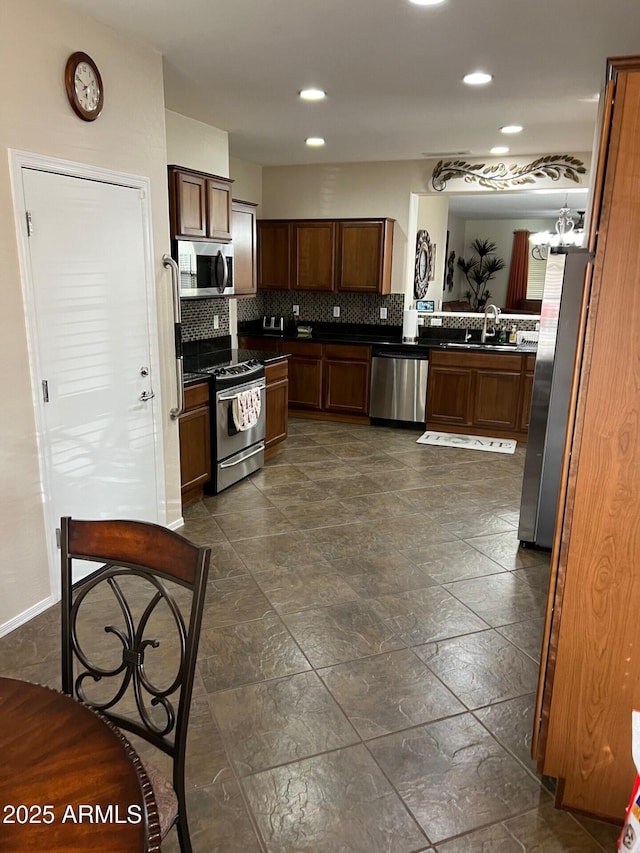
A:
x: 329, y: 381
x: 496, y: 398
x: 527, y: 391
x: 347, y: 377
x: 195, y: 442
x: 277, y: 403
x: 305, y: 375
x: 480, y: 393
x: 448, y: 396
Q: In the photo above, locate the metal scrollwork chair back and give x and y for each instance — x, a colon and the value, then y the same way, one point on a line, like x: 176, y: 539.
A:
x: 130, y: 634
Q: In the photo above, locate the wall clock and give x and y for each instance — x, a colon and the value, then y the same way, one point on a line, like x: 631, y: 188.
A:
x: 84, y: 86
x: 423, y: 264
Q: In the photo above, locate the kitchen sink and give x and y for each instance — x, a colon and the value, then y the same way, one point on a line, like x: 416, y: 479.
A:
x: 477, y: 346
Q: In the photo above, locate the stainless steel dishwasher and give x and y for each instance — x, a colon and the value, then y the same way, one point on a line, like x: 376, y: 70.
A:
x: 399, y: 385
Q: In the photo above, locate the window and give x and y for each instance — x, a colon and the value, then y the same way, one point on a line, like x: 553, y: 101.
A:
x: 535, y: 278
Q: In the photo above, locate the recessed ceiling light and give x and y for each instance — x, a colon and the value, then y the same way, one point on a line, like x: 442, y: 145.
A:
x: 511, y: 128
x: 426, y: 2
x: 477, y: 78
x: 499, y: 149
x: 312, y: 94
x: 315, y: 141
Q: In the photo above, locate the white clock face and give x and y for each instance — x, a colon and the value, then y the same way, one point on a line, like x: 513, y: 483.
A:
x: 86, y: 86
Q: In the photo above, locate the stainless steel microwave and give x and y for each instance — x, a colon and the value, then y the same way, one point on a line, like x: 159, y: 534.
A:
x: 206, y: 269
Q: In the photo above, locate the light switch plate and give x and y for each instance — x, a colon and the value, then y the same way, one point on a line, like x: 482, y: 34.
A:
x: 383, y: 313
x: 436, y: 321
x: 336, y: 310
x: 216, y: 321
x: 296, y: 310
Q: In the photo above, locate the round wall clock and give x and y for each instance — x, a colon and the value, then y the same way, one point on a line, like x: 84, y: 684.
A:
x: 423, y: 264
x: 84, y: 86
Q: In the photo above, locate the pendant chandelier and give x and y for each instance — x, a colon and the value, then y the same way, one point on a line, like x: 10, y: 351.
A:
x: 568, y: 232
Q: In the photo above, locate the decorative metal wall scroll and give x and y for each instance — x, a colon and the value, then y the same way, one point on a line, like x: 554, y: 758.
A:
x: 498, y: 176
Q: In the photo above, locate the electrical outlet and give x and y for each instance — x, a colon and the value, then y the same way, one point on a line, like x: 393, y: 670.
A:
x: 336, y: 310
x: 216, y: 321
x: 296, y: 310
x: 436, y: 321
x: 383, y: 313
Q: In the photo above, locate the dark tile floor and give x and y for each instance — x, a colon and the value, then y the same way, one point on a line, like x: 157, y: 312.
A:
x: 368, y: 659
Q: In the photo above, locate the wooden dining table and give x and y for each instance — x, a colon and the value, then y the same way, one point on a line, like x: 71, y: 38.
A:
x: 69, y: 780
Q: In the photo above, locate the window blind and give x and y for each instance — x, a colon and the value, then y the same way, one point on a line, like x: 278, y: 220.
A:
x: 535, y: 278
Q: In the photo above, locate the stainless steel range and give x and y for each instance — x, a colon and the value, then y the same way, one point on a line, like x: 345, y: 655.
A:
x: 237, y: 444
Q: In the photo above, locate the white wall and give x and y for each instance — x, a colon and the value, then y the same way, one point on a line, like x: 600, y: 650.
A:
x: 196, y: 145
x: 432, y: 217
x: 335, y: 190
x: 342, y: 190
x: 456, y: 227
x: 36, y: 38
x: 247, y: 181
x: 500, y: 231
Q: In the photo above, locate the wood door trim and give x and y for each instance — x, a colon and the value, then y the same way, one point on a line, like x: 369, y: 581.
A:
x: 555, y: 595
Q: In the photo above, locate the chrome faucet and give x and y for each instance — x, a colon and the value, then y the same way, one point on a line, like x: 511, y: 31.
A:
x: 496, y: 313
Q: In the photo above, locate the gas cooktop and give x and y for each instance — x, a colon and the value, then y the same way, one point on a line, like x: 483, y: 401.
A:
x: 232, y: 367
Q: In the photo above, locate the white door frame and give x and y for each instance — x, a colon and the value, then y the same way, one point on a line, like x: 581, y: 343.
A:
x: 25, y: 159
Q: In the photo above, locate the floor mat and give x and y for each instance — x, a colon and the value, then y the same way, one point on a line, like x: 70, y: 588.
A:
x: 468, y: 442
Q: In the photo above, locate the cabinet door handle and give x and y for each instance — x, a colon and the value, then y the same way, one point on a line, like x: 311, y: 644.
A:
x: 147, y: 395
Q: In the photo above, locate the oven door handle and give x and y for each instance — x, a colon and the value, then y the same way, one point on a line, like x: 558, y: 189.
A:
x: 258, y: 449
x: 226, y: 397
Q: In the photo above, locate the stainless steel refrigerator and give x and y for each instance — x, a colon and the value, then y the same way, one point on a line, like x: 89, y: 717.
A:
x: 559, y: 319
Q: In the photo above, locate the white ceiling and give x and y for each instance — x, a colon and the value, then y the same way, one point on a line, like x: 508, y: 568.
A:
x: 392, y: 71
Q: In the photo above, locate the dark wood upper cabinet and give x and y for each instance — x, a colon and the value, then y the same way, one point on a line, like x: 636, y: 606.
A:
x: 364, y: 256
x: 219, y: 208
x: 189, y: 217
x: 243, y: 231
x: 274, y: 255
x: 313, y: 247
x: 199, y: 205
x: 344, y: 255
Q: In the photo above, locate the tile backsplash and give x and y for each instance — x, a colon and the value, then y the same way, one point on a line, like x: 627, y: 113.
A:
x: 451, y: 320
x: 198, y: 318
x: 198, y: 314
x: 354, y: 307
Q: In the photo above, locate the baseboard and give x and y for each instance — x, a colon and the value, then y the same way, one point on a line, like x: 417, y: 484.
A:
x: 26, y: 615
x: 179, y: 522
x: 312, y: 415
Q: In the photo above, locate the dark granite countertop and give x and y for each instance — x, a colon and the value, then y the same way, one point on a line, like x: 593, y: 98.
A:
x: 378, y: 336
x: 196, y: 363
x: 200, y: 355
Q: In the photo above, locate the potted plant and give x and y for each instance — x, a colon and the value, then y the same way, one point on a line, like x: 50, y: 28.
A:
x: 478, y: 270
